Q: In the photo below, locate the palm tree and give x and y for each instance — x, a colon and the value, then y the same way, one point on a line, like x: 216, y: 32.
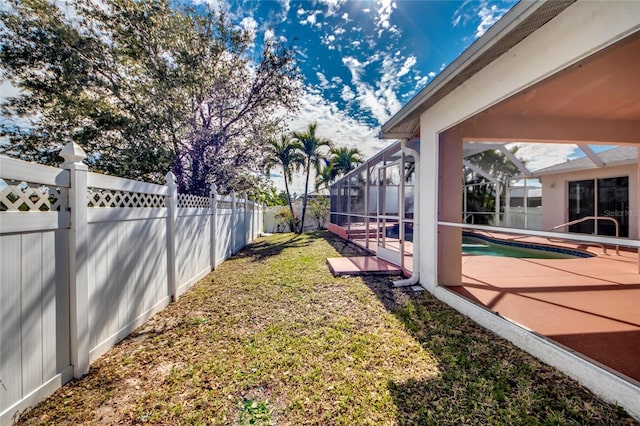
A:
x: 344, y: 159
x: 286, y: 155
x: 326, y: 176
x: 311, y: 148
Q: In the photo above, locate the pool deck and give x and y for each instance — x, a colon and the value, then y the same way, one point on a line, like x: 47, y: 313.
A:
x: 589, y: 305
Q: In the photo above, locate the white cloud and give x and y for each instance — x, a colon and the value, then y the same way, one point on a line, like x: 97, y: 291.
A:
x: 286, y: 6
x: 431, y: 74
x: 269, y: 35
x: 215, y: 4
x: 421, y: 82
x: 311, y: 18
x: 384, y: 10
x: 347, y: 94
x: 472, y: 11
x: 332, y: 6
x: 249, y: 25
x: 380, y: 100
x: 324, y: 83
x: 339, y: 31
x: 345, y: 16
x: 329, y: 40
x: 489, y: 15
x: 408, y: 64
x: 541, y: 155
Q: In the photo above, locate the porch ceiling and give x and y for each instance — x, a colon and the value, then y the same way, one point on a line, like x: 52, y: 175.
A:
x: 594, y: 101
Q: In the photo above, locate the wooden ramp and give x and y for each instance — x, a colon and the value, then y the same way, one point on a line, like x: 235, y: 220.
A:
x: 361, y: 265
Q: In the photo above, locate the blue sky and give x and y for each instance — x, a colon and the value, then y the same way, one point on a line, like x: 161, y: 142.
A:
x: 362, y: 60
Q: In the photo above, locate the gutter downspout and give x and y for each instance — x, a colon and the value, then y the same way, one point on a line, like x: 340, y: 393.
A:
x: 415, y: 274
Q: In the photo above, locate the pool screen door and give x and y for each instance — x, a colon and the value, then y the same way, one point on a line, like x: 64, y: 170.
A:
x: 389, y: 199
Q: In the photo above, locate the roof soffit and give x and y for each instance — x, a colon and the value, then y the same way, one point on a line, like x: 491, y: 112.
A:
x: 511, y: 29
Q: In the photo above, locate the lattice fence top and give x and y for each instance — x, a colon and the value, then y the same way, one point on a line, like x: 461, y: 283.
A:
x: 110, y: 198
x: 193, y: 201
x: 26, y: 197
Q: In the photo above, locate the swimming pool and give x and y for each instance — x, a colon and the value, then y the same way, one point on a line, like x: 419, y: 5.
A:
x: 474, y: 244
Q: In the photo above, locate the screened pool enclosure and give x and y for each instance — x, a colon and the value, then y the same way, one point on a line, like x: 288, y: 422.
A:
x: 374, y: 205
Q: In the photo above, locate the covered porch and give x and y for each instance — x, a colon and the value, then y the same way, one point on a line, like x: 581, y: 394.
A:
x: 539, y: 75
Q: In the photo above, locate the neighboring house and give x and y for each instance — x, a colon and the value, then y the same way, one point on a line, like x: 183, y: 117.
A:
x: 546, y: 72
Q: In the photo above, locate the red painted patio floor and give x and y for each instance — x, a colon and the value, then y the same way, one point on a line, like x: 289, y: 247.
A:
x: 589, y: 305
x: 361, y: 265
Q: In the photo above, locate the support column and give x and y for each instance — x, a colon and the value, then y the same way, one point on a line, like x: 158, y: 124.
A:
x: 427, y: 185
x: 449, y: 207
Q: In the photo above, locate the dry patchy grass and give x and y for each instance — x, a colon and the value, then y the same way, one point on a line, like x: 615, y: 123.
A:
x: 271, y: 337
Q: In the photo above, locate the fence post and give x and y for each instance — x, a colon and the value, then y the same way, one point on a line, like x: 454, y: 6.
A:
x: 172, y: 217
x: 244, y: 218
x: 254, y: 220
x: 73, y: 155
x: 234, y: 222
x: 213, y: 204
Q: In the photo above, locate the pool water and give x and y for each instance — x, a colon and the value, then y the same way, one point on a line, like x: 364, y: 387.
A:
x: 479, y: 246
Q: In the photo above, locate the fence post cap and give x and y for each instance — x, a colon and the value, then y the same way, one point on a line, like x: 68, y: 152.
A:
x: 72, y: 153
x: 170, y: 179
x: 213, y: 188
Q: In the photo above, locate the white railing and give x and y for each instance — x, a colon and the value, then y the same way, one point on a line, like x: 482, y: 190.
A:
x: 86, y: 258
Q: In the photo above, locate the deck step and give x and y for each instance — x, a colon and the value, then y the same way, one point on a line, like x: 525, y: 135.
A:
x: 361, y: 265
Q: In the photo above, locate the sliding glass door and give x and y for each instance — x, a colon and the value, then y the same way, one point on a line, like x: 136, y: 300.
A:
x: 604, y: 198
x: 613, y: 202
x: 582, y: 204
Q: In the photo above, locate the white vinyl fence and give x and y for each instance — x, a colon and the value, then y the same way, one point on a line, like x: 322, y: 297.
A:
x: 86, y: 258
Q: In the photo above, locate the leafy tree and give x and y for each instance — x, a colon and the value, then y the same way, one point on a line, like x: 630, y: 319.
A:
x: 145, y: 87
x: 481, y: 197
x: 284, y: 218
x: 319, y: 210
x: 286, y: 155
x: 311, y: 147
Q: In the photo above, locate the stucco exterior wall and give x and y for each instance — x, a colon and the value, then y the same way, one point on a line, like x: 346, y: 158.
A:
x: 565, y: 40
x: 555, y: 188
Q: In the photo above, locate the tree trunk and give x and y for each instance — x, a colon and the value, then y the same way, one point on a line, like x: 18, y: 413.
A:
x: 292, y: 224
x: 304, y: 202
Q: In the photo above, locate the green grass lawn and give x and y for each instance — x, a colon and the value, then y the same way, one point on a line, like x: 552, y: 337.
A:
x: 271, y: 337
